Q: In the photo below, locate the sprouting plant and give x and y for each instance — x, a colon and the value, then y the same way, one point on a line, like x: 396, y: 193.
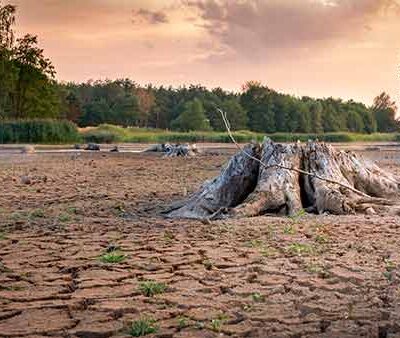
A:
x: 182, y: 322
x: 37, y: 213
x: 169, y: 236
x: 257, y: 297
x: 64, y: 218
x: 389, y: 265
x: 289, y: 229
x: 255, y: 243
x: 208, y: 264
x: 151, y: 288
x: 112, y: 257
x: 143, y: 327
x: 297, y: 216
x: 2, y: 236
x: 321, y: 239
x: 217, y: 323
x: 300, y: 249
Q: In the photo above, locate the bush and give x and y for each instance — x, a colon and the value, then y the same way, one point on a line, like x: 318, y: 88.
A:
x: 38, y: 131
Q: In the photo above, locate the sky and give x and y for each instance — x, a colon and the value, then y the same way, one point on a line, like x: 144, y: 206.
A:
x: 320, y: 48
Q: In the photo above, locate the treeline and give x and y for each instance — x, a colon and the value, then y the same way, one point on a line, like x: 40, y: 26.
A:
x: 28, y: 90
x: 257, y: 108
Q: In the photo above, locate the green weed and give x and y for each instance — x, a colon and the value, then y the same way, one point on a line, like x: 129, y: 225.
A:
x: 143, y: 327
x: 152, y: 288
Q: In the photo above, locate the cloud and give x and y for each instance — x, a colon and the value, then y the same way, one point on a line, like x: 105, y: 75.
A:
x: 150, y: 17
x: 260, y: 28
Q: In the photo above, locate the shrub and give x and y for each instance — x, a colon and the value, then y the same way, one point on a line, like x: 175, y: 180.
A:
x: 38, y: 131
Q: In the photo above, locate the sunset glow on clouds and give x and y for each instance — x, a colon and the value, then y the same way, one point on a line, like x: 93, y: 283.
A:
x: 345, y: 48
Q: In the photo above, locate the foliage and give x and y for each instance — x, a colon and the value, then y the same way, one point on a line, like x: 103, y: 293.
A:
x: 38, y: 131
x: 152, y: 288
x: 27, y: 86
x: 192, y: 117
x: 143, y: 327
x: 112, y: 257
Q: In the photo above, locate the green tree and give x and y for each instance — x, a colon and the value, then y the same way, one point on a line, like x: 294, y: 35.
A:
x: 355, y: 122
x: 192, y: 117
x: 384, y: 110
x: 27, y: 88
x: 7, y: 70
x: 316, y: 112
x: 235, y: 113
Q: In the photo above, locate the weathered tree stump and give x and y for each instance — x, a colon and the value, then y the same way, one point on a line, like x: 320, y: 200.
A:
x: 284, y: 179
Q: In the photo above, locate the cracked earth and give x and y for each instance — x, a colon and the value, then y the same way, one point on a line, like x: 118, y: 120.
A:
x: 305, y: 276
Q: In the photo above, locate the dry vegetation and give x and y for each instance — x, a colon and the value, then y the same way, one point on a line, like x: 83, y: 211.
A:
x: 84, y: 253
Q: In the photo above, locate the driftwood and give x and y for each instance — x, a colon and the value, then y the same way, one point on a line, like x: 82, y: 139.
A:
x: 174, y: 150
x: 284, y: 179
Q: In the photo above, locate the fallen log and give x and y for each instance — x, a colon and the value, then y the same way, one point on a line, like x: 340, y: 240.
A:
x: 284, y: 179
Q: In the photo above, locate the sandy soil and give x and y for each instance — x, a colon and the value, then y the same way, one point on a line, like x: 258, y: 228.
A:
x: 307, y: 276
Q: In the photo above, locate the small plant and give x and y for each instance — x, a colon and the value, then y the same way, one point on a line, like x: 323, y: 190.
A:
x: 143, y: 327
x: 64, y: 218
x: 255, y: 243
x: 182, y: 322
x: 169, y: 236
x: 37, y: 213
x: 300, y: 249
x: 112, y: 257
x: 268, y: 251
x: 321, y: 239
x: 72, y: 210
x: 257, y: 297
x: 208, y: 264
x: 2, y: 236
x: 289, y: 229
x: 119, y: 209
x: 152, y: 288
x: 389, y: 265
x: 314, y: 268
x: 297, y: 216
x: 216, y: 325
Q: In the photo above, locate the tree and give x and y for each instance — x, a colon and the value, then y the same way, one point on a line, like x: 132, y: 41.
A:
x: 355, y: 122
x: 7, y: 20
x: 146, y: 102
x: 192, y: 117
x: 257, y: 101
x: 235, y: 113
x: 316, y: 112
x: 27, y: 86
x: 384, y: 110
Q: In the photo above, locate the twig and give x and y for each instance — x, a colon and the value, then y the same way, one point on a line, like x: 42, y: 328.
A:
x: 300, y: 171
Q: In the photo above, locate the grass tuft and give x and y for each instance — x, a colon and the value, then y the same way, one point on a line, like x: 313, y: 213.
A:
x: 151, y: 288
x: 300, y: 249
x: 143, y: 327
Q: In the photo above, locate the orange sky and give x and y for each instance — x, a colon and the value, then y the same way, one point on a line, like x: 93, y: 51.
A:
x: 341, y: 48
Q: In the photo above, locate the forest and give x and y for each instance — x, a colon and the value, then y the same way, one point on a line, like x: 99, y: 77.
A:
x: 29, y: 90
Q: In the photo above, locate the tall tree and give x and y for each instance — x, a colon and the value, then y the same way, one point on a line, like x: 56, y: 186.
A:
x: 384, y: 110
x: 192, y: 117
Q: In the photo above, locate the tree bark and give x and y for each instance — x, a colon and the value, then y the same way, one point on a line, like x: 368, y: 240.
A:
x: 236, y: 181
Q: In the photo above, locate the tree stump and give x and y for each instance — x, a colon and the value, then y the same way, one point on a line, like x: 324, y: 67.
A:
x: 285, y: 179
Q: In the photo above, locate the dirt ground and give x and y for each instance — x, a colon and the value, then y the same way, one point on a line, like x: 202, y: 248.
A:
x: 305, y: 276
